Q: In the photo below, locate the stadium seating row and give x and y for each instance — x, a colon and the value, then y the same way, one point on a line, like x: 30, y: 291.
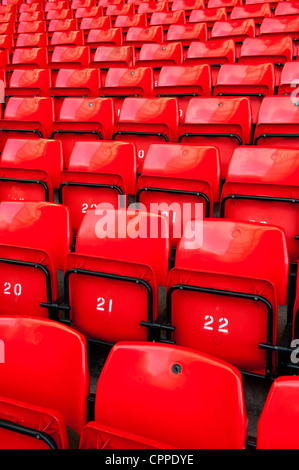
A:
x: 222, y: 121
x: 34, y: 414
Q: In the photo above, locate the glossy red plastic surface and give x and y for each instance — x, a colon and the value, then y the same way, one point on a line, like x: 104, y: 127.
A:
x: 227, y: 120
x: 32, y: 27
x: 186, y: 33
x: 33, y: 417
x: 232, y: 256
x: 167, y: 18
x: 288, y: 83
x: 27, y: 117
x: 34, y: 58
x: 208, y: 16
x: 212, y: 52
x: 37, y: 373
x: 138, y: 35
x: 104, y: 37
x: 108, y: 163
x: 89, y: 12
x: 123, y: 82
x: 200, y: 384
x: 24, y: 287
x: 277, y: 428
x: 191, y: 170
x: 261, y: 50
x: 31, y: 40
x: 113, y: 56
x: 112, y: 235
x: 29, y: 82
x: 103, y: 22
x: 34, y: 225
x: 183, y: 82
x: 35, y: 154
x: 145, y: 121
x: 127, y: 21
x: 96, y: 436
x: 70, y: 57
x: 71, y: 38
x: 63, y: 25
x: 270, y: 172
x: 253, y: 81
x: 187, y: 5
x: 277, y: 122
x: 83, y: 119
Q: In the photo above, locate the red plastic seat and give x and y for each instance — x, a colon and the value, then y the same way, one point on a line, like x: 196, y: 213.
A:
x: 261, y: 187
x: 288, y: 83
x: 287, y: 8
x: 209, y: 16
x: 27, y: 7
x: 75, y: 82
x: 257, y: 12
x: 187, y: 5
x: 225, y: 289
x: 27, y: 117
x: 106, y: 57
x: 28, y: 58
x: 119, y: 256
x: 43, y: 376
x: 187, y: 33
x: 97, y: 436
x: 278, y: 122
x: 159, y: 55
x: 104, y: 37
x: 106, y: 3
x: 114, y: 11
x: 151, y: 7
x: 25, y: 426
x: 192, y: 382
x: 237, y: 30
x: 8, y: 28
x: 31, y: 27
x: 66, y: 38
x: 103, y: 22
x: 180, y: 182
x: 91, y: 178
x: 227, y: 4
x: 253, y: 81
x: 128, y: 21
x: 63, y: 25
x: 145, y: 121
x: 31, y: 40
x: 212, y: 52
x: 89, y: 12
x: 6, y: 42
x: 29, y: 16
x: 83, y: 119
x: 57, y: 5
x: 123, y: 82
x: 276, y: 51
x: 168, y: 18
x: 29, y: 82
x: 281, y: 26
x: 221, y: 122
x: 38, y: 160
x: 75, y: 4
x: 69, y: 57
x: 7, y: 17
x: 33, y: 224
x: 59, y: 15
x: 276, y: 427
x: 184, y: 82
x: 137, y: 36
